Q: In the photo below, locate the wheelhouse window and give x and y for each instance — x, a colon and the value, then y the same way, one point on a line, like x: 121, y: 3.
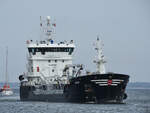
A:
x: 51, y: 49
x: 32, y: 50
x: 70, y: 50
x: 43, y: 51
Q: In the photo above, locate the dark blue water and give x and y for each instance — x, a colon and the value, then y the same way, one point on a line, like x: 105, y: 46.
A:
x: 138, y: 102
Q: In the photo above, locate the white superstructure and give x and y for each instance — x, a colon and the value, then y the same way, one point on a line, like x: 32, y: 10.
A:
x: 46, y: 58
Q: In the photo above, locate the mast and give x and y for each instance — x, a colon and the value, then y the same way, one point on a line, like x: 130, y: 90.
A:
x: 47, y: 27
x: 6, y: 73
x: 100, y: 57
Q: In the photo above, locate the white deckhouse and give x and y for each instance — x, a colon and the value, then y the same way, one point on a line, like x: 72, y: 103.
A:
x: 48, y: 59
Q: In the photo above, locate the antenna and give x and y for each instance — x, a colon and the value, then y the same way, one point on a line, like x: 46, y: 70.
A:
x: 47, y: 28
x: 41, y: 28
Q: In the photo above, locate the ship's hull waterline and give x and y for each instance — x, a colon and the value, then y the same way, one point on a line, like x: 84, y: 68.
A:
x: 98, y: 88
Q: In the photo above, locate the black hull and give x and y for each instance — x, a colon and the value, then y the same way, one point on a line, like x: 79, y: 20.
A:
x: 27, y: 94
x: 96, y: 88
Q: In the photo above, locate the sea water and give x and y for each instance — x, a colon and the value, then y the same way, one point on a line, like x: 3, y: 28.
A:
x: 138, y: 101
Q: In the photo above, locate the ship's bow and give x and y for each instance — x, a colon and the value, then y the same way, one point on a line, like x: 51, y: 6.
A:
x: 100, y: 88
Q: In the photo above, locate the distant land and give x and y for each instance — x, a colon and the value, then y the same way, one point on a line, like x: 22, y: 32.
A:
x: 132, y: 85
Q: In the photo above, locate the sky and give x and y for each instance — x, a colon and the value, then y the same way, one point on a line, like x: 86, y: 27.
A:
x: 123, y: 24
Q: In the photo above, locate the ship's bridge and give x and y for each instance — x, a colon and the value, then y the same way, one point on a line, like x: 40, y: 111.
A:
x: 50, y: 50
x: 49, y: 59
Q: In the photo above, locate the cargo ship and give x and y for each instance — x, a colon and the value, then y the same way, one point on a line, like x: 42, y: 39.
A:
x: 51, y: 75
